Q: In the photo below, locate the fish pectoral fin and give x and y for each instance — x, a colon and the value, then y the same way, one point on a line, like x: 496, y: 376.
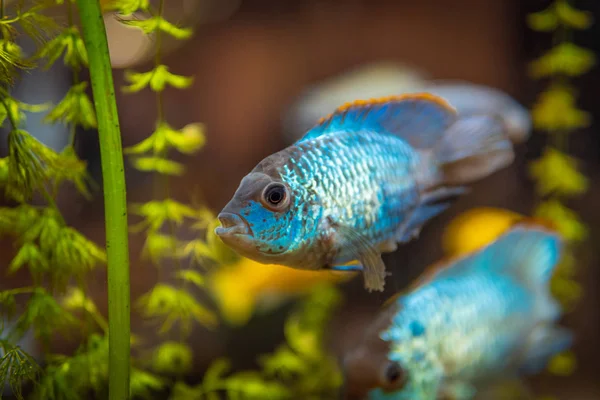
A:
x: 388, y: 246
x: 444, y: 195
x: 433, y: 203
x: 373, y: 272
x: 369, y: 257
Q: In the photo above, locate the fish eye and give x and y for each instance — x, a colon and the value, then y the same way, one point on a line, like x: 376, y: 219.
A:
x: 392, y: 376
x: 275, y: 196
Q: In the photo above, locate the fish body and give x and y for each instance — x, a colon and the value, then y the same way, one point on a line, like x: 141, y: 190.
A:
x: 481, y: 317
x: 365, y: 178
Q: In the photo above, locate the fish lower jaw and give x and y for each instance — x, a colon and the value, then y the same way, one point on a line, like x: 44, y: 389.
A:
x: 237, y: 230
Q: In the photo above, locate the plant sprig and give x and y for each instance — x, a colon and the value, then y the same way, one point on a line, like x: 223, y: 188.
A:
x: 161, y: 217
x: 173, y: 304
x: 16, y: 367
x: 299, y: 368
x: 557, y: 174
x: 55, y: 254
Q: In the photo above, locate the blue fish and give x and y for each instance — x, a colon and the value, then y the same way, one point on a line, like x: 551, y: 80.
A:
x: 364, y: 179
x: 470, y: 321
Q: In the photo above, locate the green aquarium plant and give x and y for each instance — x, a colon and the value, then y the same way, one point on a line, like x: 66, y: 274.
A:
x: 59, y: 258
x: 557, y: 175
x: 301, y: 368
x: 115, y: 203
x: 56, y: 255
x: 161, y: 218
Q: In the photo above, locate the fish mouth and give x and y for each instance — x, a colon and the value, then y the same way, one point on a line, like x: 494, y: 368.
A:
x: 232, y: 225
x: 235, y: 232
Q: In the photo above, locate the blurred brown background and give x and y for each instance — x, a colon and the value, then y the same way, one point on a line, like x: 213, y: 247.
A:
x: 252, y: 62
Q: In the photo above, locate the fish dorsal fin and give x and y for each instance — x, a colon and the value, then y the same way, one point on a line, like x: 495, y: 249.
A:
x: 418, y: 118
x: 433, y: 270
x: 428, y: 275
x: 540, y: 223
x: 528, y: 250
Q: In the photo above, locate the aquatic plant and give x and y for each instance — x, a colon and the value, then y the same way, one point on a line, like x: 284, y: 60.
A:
x: 58, y: 257
x: 55, y: 254
x: 161, y: 218
x: 301, y: 368
x: 557, y: 175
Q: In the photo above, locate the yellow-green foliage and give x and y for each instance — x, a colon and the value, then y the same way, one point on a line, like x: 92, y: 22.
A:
x: 16, y: 367
x: 556, y: 173
x: 58, y: 257
x: 172, y: 358
x: 558, y: 96
x: 55, y: 254
x: 301, y: 368
x: 77, y: 377
x: 172, y: 304
x: 168, y: 304
x: 560, y: 13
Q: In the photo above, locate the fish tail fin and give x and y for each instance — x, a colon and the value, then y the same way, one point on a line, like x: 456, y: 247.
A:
x: 473, y: 147
x: 544, y: 342
x: 529, y: 252
x: 471, y: 98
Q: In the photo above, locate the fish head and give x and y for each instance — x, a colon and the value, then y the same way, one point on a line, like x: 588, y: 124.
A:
x: 260, y: 221
x: 369, y: 373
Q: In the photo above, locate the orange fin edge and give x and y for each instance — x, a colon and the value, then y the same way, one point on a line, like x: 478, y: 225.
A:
x: 387, y: 99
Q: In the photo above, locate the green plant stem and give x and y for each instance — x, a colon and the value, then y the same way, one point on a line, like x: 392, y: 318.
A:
x: 115, y: 202
x: 21, y: 290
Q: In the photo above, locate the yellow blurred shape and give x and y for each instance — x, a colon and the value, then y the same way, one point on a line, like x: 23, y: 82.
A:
x: 246, y: 286
x: 475, y: 228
